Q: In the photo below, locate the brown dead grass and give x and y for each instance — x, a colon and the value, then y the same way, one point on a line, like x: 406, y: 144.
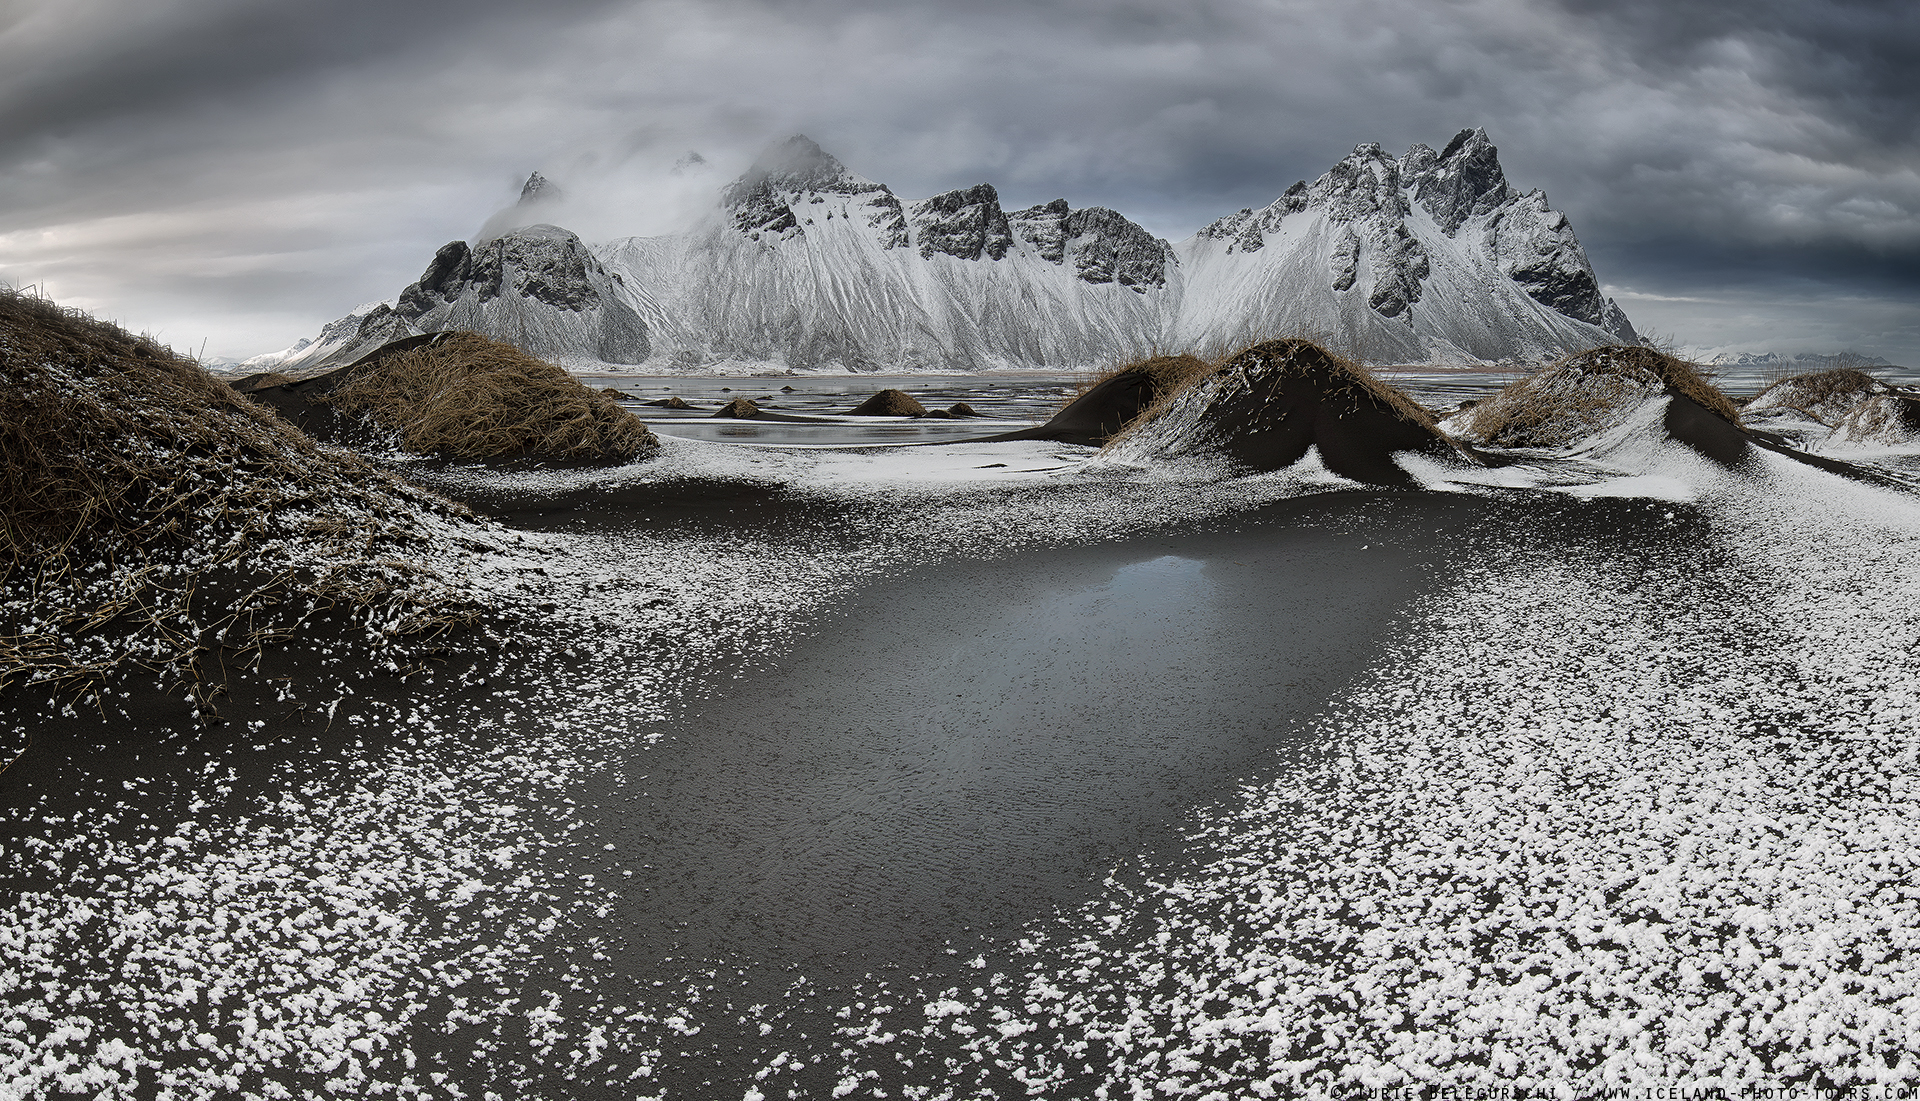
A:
x: 468, y: 397
x: 1165, y: 375
x: 132, y: 482
x: 1820, y: 395
x: 1581, y: 394
x: 90, y: 416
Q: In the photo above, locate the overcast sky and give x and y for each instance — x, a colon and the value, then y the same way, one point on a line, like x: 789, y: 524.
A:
x: 1743, y: 174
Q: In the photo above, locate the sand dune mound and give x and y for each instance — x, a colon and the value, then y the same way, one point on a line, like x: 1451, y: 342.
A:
x: 1823, y: 396
x: 152, y: 517
x: 740, y: 409
x: 1890, y: 418
x: 260, y: 380
x: 1104, y: 408
x: 463, y: 396
x: 1114, y: 400
x: 889, y: 403
x: 1839, y: 409
x: 1266, y: 407
x: 1590, y: 399
x: 467, y: 397
x: 675, y: 402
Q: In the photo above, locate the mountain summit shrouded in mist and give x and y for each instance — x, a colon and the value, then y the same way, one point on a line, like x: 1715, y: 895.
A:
x: 804, y: 264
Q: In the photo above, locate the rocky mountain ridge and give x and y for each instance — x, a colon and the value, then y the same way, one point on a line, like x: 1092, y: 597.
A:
x: 805, y: 264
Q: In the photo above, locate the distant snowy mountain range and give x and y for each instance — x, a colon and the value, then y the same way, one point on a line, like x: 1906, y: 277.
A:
x: 1804, y: 361
x: 1429, y: 257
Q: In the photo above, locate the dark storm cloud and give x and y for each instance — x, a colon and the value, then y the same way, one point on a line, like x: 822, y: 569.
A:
x: 210, y: 165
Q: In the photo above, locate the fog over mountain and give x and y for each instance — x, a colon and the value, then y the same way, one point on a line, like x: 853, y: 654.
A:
x: 1743, y: 178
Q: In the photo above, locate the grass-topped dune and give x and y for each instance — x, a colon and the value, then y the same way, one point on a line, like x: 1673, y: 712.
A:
x: 1853, y: 406
x: 1569, y: 403
x: 1612, y: 396
x: 462, y: 396
x: 150, y: 517
x: 1115, y: 398
x: 1823, y: 396
x: 1581, y: 393
x: 1267, y: 406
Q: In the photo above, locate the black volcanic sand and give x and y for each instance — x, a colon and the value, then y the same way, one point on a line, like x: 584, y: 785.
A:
x: 977, y: 741
x: 954, y: 753
x: 975, y: 746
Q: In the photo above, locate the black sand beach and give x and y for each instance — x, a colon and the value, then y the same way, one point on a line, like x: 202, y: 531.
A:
x: 767, y: 775
x: 947, y: 755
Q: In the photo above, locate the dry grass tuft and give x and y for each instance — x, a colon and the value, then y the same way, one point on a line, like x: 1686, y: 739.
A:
x: 1163, y: 375
x: 1823, y: 396
x: 1338, y: 376
x: 152, y: 517
x: 91, y: 417
x: 467, y: 397
x: 1586, y: 393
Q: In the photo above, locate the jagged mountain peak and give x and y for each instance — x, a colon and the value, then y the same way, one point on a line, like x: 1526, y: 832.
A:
x: 966, y: 222
x: 1461, y: 181
x: 537, y: 189
x: 799, y: 164
x: 797, y: 170
x: 1352, y: 252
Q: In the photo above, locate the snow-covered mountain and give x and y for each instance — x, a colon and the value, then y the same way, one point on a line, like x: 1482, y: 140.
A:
x: 806, y: 265
x: 1805, y: 361
x: 1430, y: 257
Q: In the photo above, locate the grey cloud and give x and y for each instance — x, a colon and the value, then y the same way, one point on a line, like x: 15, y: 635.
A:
x: 1674, y: 135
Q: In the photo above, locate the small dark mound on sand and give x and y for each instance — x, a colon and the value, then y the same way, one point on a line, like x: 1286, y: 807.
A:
x: 1573, y: 401
x: 962, y: 409
x: 617, y: 395
x: 675, y: 402
x: 889, y: 403
x: 1264, y: 408
x: 740, y: 409
x: 937, y: 414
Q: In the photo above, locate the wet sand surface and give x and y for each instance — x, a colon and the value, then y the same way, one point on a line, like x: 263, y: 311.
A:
x: 960, y: 753
x: 977, y: 742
